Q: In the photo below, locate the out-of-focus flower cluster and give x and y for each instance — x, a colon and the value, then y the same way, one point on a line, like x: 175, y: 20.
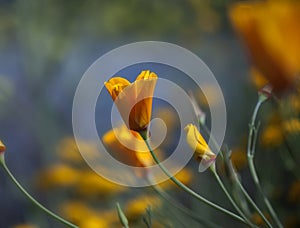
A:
x: 270, y: 32
x: 87, y: 197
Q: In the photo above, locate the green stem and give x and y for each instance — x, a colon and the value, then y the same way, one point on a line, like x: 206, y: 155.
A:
x: 250, y: 154
x: 122, y: 217
x: 181, y: 208
x: 245, y: 193
x: 229, y: 197
x: 188, y: 190
x: 2, y: 162
x: 236, y: 179
x: 253, y: 203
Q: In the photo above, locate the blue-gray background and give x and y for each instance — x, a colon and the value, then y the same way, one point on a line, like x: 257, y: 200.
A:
x: 46, y: 46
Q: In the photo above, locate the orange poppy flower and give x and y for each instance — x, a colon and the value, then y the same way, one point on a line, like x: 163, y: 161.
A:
x: 2, y: 147
x: 134, y: 100
x: 271, y: 33
x: 129, y: 147
x: 198, y: 143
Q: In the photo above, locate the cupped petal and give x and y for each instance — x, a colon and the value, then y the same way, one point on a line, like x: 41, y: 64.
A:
x: 140, y: 114
x: 128, y: 147
x: 115, y: 86
x: 196, y: 141
x: 134, y: 101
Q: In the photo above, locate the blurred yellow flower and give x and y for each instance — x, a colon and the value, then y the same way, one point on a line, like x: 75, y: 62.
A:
x: 94, y: 222
x: 185, y: 176
x: 136, y: 208
x: 90, y: 184
x: 2, y: 147
x: 271, y: 33
x: 292, y: 126
x: 272, y: 136
x: 67, y: 150
x: 59, y: 175
x: 134, y: 100
x: 239, y: 158
x: 198, y: 143
x: 136, y: 154
x: 75, y: 211
x: 85, y: 216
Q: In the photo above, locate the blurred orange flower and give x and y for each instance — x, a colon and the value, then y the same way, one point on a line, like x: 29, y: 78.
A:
x: 185, y: 176
x: 128, y: 147
x: 134, y: 100
x: 239, y: 158
x: 272, y: 136
x: 271, y: 33
x: 58, y: 175
x: 90, y: 184
x: 2, y: 147
x: 136, y: 208
x: 198, y: 143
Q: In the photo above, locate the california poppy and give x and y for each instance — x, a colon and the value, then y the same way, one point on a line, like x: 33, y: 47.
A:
x: 128, y: 147
x: 270, y: 31
x: 134, y: 100
x: 198, y: 143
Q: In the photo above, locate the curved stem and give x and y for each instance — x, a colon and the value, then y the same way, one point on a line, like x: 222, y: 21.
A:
x: 188, y: 190
x: 253, y: 203
x: 265, y: 199
x: 250, y: 154
x: 230, y: 198
x: 181, y: 208
x: 2, y: 162
x: 236, y: 179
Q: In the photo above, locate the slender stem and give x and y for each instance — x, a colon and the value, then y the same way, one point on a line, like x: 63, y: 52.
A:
x: 266, y: 200
x: 122, y: 217
x: 253, y: 130
x: 188, y: 190
x: 230, y: 198
x: 181, y: 208
x: 236, y: 179
x: 252, y: 202
x: 250, y: 154
x: 2, y: 162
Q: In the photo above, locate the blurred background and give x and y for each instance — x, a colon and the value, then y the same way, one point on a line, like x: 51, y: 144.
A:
x: 46, y: 46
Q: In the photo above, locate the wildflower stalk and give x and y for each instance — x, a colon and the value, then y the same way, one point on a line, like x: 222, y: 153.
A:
x: 122, y: 218
x: 253, y: 203
x: 181, y: 208
x: 253, y: 128
x: 184, y: 187
x: 213, y: 169
x: 235, y: 177
x: 55, y: 216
